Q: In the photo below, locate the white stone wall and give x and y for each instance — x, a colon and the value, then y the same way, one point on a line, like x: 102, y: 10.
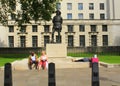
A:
x: 85, y: 10
x: 3, y: 36
x: 112, y: 11
x: 117, y: 9
x: 116, y: 35
x: 113, y: 33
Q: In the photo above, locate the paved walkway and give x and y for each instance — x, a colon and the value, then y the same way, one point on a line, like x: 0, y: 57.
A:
x: 64, y: 77
x: 59, y: 62
x: 66, y: 74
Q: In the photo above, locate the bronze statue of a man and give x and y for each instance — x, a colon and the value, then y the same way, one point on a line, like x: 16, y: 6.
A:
x: 57, y: 25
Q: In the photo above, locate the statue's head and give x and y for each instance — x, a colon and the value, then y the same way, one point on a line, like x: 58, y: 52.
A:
x: 58, y: 12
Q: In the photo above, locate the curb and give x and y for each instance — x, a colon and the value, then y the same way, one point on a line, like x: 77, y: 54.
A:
x: 109, y: 65
x: 16, y: 65
x: 2, y: 68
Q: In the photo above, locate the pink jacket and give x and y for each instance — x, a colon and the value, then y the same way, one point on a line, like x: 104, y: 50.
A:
x: 93, y: 60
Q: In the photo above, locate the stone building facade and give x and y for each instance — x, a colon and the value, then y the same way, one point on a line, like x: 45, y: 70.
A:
x: 85, y: 23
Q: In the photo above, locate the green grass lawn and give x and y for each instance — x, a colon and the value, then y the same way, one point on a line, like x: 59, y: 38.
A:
x: 5, y: 58
x: 107, y: 58
x: 110, y: 59
x: 113, y: 59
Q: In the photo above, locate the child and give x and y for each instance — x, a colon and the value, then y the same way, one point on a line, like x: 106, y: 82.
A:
x: 43, y: 61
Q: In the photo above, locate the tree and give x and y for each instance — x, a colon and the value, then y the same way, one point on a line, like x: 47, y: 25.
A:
x: 23, y: 11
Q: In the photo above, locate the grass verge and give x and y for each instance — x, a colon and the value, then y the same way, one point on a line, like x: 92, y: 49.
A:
x: 8, y: 58
x: 107, y: 58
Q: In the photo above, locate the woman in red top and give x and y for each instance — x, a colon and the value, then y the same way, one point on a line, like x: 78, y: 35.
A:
x: 43, y: 61
x: 94, y: 59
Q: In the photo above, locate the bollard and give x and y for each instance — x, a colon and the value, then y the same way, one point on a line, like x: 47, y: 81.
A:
x: 95, y: 74
x: 8, y: 75
x: 51, y: 75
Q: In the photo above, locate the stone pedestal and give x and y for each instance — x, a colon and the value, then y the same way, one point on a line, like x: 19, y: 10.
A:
x: 56, y: 50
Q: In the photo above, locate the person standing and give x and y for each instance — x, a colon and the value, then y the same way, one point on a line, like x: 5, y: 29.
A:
x: 94, y: 59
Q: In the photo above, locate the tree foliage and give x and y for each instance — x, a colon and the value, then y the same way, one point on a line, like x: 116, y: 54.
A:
x: 24, y: 11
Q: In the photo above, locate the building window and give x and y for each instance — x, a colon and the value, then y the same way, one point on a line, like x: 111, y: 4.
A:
x: 93, y: 40
x: 11, y: 28
x: 93, y: 28
x: 23, y: 29
x: 69, y: 6
x: 13, y: 16
x: 102, y: 16
x: 80, y: 15
x: 34, y: 41
x: 105, y: 40
x: 82, y: 40
x: 80, y: 6
x: 69, y: 16
x: 11, y: 41
x: 34, y: 28
x: 58, y: 6
x: 70, y: 28
x: 70, y: 41
x: 57, y: 41
x: 91, y: 16
x: 81, y: 28
x: 46, y: 40
x: 102, y: 7
x: 22, y: 41
x: 91, y: 6
x: 46, y: 28
x: 104, y: 28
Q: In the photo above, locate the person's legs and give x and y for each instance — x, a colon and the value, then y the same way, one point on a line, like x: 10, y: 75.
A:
x: 58, y: 36
x: 36, y: 64
x: 30, y: 65
x: 79, y: 60
x: 39, y: 65
x: 53, y: 35
x: 44, y: 65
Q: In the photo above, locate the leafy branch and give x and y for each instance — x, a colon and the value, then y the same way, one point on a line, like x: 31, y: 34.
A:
x: 26, y: 10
